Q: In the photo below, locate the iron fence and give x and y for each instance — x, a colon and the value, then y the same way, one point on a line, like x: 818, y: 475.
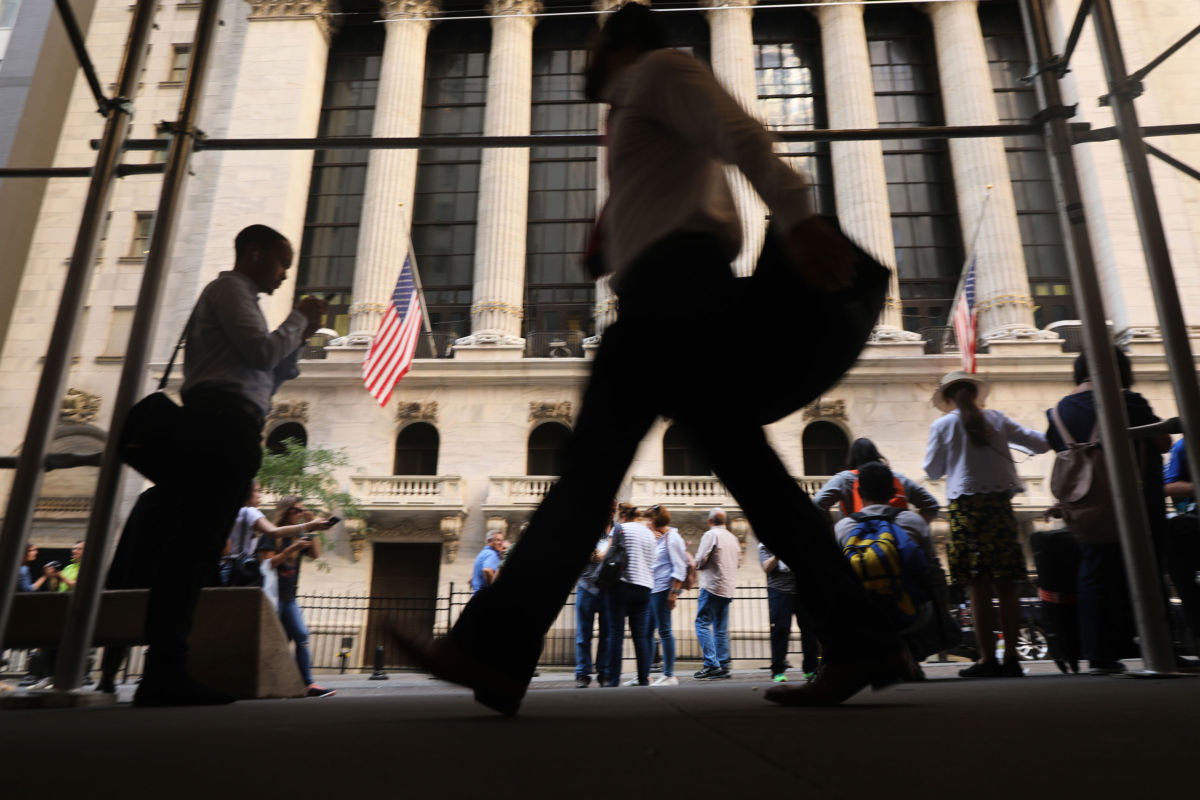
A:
x: 554, y: 344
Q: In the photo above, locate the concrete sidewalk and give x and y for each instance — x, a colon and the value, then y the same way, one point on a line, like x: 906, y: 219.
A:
x: 1045, y: 735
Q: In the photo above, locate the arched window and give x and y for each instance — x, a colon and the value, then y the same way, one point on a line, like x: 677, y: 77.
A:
x: 288, y: 430
x: 825, y: 446
x: 416, y: 450
x: 680, y: 457
x: 547, y: 449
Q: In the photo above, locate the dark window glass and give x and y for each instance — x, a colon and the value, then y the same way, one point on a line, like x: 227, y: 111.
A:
x: 562, y: 182
x: 929, y: 251
x: 416, y: 450
x: 791, y: 94
x: 1028, y: 167
x: 444, y: 206
x: 680, y: 457
x: 330, y: 241
x: 547, y: 449
x: 688, y: 31
x: 825, y: 446
x: 288, y: 430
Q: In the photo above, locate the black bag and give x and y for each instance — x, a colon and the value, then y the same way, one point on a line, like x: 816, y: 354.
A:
x: 781, y: 312
x: 245, y: 572
x: 615, y: 558
x: 146, y: 438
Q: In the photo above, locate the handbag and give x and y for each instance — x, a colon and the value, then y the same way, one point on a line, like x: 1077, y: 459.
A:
x: 799, y: 340
x: 615, y: 558
x: 145, y: 442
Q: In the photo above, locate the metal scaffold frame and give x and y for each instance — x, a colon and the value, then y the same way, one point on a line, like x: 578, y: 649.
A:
x: 1051, y: 121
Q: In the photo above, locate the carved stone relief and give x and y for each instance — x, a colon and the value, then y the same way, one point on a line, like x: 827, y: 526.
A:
x: 557, y: 411
x: 825, y: 409
x: 296, y: 410
x: 79, y: 406
x: 411, y: 412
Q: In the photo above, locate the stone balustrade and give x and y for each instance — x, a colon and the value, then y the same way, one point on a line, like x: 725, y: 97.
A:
x: 407, y: 490
x: 517, y: 491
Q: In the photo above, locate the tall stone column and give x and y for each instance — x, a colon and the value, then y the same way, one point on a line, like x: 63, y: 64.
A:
x: 271, y: 187
x: 858, y: 172
x: 383, y: 239
x: 496, y: 310
x: 732, y: 40
x: 1002, y: 287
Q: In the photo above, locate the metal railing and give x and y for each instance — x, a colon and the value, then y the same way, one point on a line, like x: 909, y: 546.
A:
x: 939, y: 339
x: 554, y: 344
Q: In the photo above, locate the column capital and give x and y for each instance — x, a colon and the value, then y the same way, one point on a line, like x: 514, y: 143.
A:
x: 514, y: 8
x: 408, y: 9
x: 320, y: 11
x: 727, y: 3
x: 933, y: 9
x: 825, y: 7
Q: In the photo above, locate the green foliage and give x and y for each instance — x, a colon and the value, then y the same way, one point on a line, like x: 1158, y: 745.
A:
x: 308, y: 474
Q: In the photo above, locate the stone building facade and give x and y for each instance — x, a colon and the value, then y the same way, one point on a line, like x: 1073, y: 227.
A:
x: 470, y: 438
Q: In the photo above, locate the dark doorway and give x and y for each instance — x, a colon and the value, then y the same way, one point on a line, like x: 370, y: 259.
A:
x: 416, y: 450
x: 404, y: 582
x: 547, y: 449
x: 288, y: 430
x: 825, y: 446
x: 680, y: 457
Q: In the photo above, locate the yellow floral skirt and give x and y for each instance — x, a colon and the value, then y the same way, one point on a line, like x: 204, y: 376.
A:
x: 983, y: 538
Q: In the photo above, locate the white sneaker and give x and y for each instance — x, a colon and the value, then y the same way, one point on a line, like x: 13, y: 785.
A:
x: 631, y: 682
x: 44, y: 683
x: 666, y: 680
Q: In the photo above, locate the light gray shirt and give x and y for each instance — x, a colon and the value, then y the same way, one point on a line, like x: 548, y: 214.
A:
x: 672, y: 130
x: 978, y: 469
x: 640, y: 545
x: 717, y: 561
x: 229, y: 347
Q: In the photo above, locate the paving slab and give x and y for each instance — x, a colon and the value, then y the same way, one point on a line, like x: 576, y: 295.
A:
x: 1045, y: 735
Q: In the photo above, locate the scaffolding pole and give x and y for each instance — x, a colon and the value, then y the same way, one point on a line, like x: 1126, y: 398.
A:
x: 85, y: 600
x: 1132, y: 522
x: 1148, y: 601
x: 28, y: 479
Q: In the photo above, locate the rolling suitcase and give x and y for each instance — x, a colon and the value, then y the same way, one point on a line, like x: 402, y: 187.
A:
x: 1056, y: 556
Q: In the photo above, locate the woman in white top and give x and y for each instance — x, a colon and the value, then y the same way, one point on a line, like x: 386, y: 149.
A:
x: 969, y: 445
x: 670, y: 571
x: 629, y: 597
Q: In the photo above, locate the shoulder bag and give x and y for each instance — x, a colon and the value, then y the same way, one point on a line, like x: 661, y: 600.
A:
x: 145, y: 439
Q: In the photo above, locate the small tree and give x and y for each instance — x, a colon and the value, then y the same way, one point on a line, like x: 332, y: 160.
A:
x: 308, y: 474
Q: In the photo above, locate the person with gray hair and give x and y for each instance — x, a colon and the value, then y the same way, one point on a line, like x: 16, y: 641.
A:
x: 717, y: 561
x: 716, y: 516
x: 487, y: 563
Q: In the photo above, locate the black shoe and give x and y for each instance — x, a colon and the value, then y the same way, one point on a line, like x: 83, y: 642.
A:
x: 1012, y: 668
x: 705, y: 673
x: 106, y: 686
x: 720, y: 674
x: 446, y: 660
x: 181, y: 691
x: 983, y: 669
x: 583, y: 681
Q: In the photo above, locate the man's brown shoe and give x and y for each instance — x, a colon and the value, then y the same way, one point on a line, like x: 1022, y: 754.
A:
x: 839, y: 681
x: 446, y: 660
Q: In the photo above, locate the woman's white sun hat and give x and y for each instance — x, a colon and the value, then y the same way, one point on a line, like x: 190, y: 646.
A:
x: 942, y: 403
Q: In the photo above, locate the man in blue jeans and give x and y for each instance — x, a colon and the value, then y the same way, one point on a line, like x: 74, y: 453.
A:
x: 590, y: 603
x: 717, y: 561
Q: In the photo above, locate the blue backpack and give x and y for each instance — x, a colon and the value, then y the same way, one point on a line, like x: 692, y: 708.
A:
x: 888, y: 562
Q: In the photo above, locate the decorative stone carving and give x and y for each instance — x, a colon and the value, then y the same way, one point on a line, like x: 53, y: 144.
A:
x: 886, y: 334
x: 451, y: 533
x: 495, y: 524
x: 355, y: 530
x: 509, y: 7
x: 289, y: 410
x: 825, y: 409
x: 740, y: 527
x: 79, y: 406
x: 558, y: 411
x: 407, y: 9
x: 1018, y: 333
x: 411, y: 412
x: 318, y: 10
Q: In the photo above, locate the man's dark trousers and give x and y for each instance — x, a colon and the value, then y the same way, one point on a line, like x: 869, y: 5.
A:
x: 782, y: 606
x: 218, y: 451
x: 674, y: 304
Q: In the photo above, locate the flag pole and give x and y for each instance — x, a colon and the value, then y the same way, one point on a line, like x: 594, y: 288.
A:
x: 962, y: 274
x: 412, y: 260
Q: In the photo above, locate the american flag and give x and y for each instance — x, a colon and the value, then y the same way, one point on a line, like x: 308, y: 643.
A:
x: 963, y: 318
x: 391, y: 353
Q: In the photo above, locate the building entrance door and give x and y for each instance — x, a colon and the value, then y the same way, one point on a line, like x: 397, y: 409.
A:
x: 404, y: 582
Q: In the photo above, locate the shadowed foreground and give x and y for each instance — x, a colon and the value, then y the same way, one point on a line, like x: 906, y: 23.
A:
x: 412, y: 737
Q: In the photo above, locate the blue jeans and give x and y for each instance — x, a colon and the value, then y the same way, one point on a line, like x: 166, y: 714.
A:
x: 588, y: 606
x: 712, y: 628
x: 782, y: 607
x: 297, y: 631
x: 660, y: 620
x: 627, y: 601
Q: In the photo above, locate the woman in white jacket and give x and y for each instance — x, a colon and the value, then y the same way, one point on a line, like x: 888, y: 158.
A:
x: 969, y: 445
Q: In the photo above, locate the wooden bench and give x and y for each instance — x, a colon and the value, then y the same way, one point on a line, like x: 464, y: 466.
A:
x: 237, y: 643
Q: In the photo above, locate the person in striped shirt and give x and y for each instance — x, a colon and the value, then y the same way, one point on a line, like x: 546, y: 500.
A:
x: 629, y: 598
